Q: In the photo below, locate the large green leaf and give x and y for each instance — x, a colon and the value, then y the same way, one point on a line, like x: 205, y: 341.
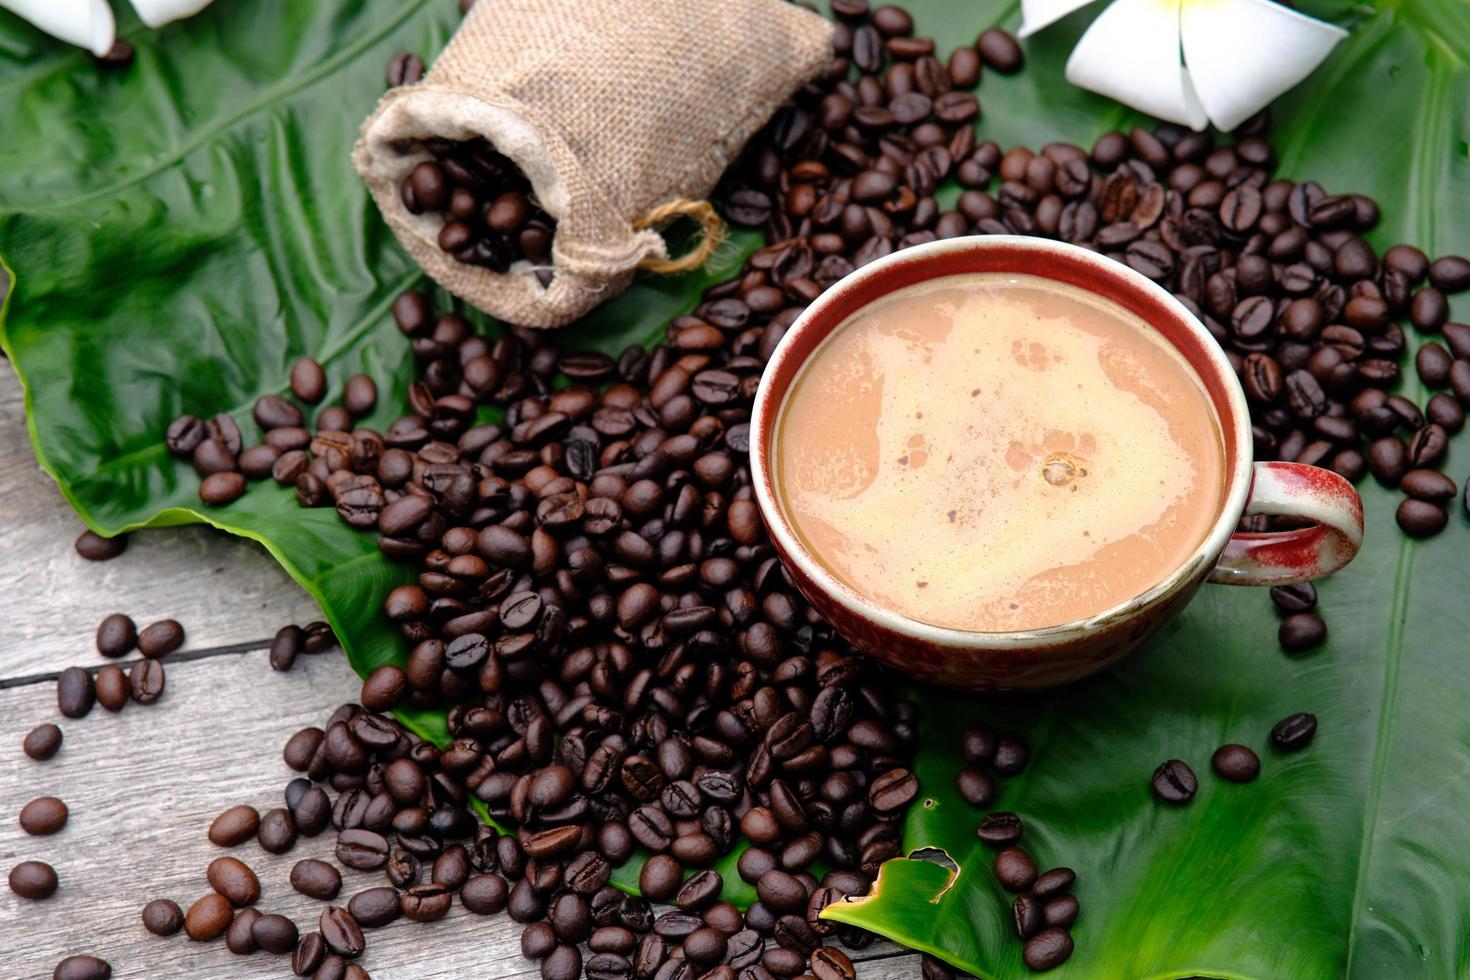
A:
x: 182, y: 229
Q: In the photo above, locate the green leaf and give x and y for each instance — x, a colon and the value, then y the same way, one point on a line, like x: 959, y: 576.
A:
x: 1341, y: 861
x: 182, y: 229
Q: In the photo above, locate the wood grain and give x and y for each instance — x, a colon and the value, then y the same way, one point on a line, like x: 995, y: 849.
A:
x: 225, y: 590
x: 143, y: 786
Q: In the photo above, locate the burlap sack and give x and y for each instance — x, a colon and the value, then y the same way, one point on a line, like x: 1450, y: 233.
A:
x: 619, y: 112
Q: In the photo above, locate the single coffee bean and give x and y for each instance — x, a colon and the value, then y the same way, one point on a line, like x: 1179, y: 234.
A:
x: 160, y: 638
x: 341, y: 932
x: 309, y: 954
x: 218, y: 489
x: 308, y: 380
x: 316, y: 879
x: 233, y: 879
x: 82, y: 968
x: 35, y: 880
x: 1431, y: 485
x: 116, y: 636
x: 1294, y: 732
x: 485, y: 894
x: 112, y: 688
x: 1011, y: 755
x: 1236, y: 763
x: 42, y: 742
x: 1046, y: 950
x: 999, y: 830
x: 977, y: 745
x: 1027, y: 916
x: 562, y: 963
x: 976, y: 787
x: 384, y: 688
x: 1174, y: 782
x: 1420, y: 518
x: 76, y: 692
x: 1296, y: 598
x: 1060, y: 912
x: 1301, y: 631
x: 426, y: 903
x: 146, y: 681
x: 163, y: 917
x: 375, y: 907
x: 240, y: 937
x: 208, y: 918
x: 362, y: 850
x: 274, y: 934
x: 1015, y: 869
x: 893, y: 790
x: 94, y: 547
x: 234, y: 826
x: 285, y: 646
x: 359, y: 395
x: 43, y: 816
x: 999, y: 50
x: 1054, y: 882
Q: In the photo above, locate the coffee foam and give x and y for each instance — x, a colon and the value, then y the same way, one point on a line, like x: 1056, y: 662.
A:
x: 998, y: 453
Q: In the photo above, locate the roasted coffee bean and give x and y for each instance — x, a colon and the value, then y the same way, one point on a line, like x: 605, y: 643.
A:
x: 484, y: 894
x: 1302, y: 631
x: 999, y: 830
x: 1294, y: 732
x: 112, y: 688
x: 1015, y: 869
x: 146, y: 681
x: 1174, y: 782
x: 76, y: 692
x: 1046, y: 950
x: 82, y: 967
x: 1236, y: 763
x: 316, y: 879
x: 1027, y: 916
x: 1296, y: 598
x: 274, y: 934
x: 976, y: 787
x: 240, y: 937
x: 1011, y: 755
x: 34, y: 880
x: 43, y: 816
x: 309, y: 954
x: 160, y: 638
x: 163, y: 917
x: 234, y: 880
x: 999, y: 50
x: 94, y: 547
x: 362, y: 850
x: 562, y: 963
x: 1420, y: 518
x: 1431, y: 485
x: 116, y: 635
x: 341, y: 933
x: 427, y: 902
x: 208, y: 918
x: 42, y: 742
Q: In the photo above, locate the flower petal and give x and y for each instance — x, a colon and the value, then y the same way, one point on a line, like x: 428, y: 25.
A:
x: 1036, y: 14
x: 1241, y: 54
x: 85, y: 23
x: 156, y: 13
x: 1131, y: 53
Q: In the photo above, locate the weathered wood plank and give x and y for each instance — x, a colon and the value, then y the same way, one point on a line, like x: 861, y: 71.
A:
x: 143, y: 787
x: 224, y: 590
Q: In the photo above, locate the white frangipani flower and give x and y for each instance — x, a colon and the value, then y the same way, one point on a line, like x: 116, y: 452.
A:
x: 89, y: 23
x: 1192, y: 62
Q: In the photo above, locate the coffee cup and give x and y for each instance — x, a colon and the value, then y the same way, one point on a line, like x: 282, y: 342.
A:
x: 1324, y: 514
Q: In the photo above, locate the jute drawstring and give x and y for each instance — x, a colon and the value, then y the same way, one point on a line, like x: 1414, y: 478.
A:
x: 711, y: 235
x: 622, y: 114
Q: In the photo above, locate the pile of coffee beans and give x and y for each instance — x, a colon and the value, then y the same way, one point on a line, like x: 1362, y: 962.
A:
x: 625, y: 659
x: 490, y: 216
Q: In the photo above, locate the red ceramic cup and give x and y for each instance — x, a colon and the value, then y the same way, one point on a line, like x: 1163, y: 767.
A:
x: 1058, y: 654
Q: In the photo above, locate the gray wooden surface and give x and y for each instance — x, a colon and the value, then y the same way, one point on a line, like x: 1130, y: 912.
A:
x: 144, y: 784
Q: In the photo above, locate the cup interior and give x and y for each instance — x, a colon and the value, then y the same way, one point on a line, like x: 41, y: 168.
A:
x: 1045, y: 259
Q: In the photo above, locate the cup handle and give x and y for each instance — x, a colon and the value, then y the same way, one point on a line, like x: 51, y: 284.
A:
x: 1282, y: 557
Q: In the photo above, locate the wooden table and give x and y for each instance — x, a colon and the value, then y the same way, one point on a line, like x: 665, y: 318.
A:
x: 144, y: 784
